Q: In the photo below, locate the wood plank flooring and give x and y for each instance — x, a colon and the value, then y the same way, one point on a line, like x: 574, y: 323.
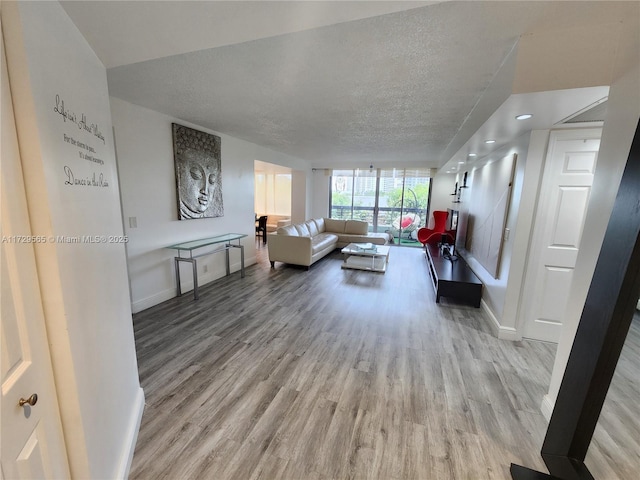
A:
x: 614, y: 452
x: 334, y: 374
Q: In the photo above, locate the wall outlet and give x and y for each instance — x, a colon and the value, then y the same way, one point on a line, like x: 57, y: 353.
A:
x: 133, y: 222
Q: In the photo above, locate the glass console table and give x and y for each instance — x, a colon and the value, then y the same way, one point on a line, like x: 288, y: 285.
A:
x: 194, y: 245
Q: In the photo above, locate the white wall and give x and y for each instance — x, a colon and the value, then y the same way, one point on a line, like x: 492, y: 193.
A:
x: 300, y: 208
x: 320, y: 195
x: 84, y: 285
x: 146, y: 167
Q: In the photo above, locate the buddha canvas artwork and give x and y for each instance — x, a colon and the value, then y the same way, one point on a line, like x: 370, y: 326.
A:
x: 198, y: 173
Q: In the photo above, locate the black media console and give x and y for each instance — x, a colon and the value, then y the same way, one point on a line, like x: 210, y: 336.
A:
x: 453, y: 278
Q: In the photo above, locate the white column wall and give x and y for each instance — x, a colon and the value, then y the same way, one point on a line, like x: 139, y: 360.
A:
x: 320, y: 196
x: 623, y: 113
x: 530, y: 178
x: 300, y: 208
x: 63, y: 120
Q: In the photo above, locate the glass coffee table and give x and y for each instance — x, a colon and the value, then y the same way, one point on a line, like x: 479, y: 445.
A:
x: 362, y: 256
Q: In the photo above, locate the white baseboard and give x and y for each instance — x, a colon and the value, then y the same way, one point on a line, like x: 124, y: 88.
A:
x: 503, y: 333
x: 186, y: 285
x: 131, y: 437
x: 546, y: 407
x: 152, y: 300
x: 509, y: 333
x: 493, y: 321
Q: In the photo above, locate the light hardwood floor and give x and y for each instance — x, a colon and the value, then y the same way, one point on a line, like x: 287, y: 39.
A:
x: 614, y: 452
x: 331, y: 373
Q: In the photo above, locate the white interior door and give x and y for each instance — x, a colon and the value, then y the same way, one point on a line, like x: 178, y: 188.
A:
x: 562, y: 208
x: 31, y: 435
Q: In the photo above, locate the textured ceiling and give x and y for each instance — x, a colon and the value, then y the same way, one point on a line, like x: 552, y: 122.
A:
x: 391, y: 88
x: 124, y: 32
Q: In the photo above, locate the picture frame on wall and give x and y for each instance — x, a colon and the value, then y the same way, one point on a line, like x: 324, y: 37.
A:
x: 198, y: 166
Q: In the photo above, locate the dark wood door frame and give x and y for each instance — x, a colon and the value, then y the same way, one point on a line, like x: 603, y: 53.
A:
x: 601, y: 333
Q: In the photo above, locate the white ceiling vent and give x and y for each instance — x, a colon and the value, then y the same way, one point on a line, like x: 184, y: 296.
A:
x: 596, y: 112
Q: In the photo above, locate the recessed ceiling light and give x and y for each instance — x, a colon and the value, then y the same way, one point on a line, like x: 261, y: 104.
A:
x: 473, y: 154
x: 489, y: 141
x: 460, y: 163
x: 524, y: 116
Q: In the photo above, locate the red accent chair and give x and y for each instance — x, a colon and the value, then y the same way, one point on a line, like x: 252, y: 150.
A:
x: 434, y: 235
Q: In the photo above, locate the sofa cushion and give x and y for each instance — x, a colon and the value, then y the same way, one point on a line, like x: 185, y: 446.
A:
x: 302, y: 229
x: 333, y: 225
x: 379, y: 238
x: 322, y: 241
x: 288, y: 230
x: 313, y: 229
x: 356, y: 227
x: 320, y: 224
x: 375, y: 238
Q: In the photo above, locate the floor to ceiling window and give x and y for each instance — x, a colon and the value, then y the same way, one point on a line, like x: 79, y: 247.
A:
x: 393, y: 200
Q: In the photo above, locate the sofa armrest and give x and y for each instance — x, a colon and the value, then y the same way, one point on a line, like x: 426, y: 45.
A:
x: 289, y: 249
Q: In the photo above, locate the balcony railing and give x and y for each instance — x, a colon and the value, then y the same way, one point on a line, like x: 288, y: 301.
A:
x: 386, y: 215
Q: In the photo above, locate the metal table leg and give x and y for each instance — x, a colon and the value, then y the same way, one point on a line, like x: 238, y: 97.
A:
x: 194, y: 266
x: 195, y: 278
x: 177, y: 263
x: 241, y: 261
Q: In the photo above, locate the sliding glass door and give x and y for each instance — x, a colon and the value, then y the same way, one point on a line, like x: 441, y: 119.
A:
x: 391, y: 200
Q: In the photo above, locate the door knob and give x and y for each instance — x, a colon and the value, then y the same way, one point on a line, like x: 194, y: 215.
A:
x: 32, y: 400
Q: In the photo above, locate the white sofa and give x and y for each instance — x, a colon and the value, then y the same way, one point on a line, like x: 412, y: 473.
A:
x: 306, y: 243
